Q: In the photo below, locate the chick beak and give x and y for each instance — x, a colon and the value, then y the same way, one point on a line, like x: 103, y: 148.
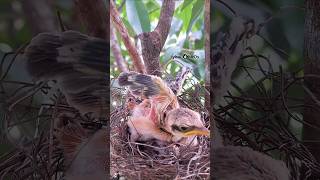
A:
x: 198, y: 132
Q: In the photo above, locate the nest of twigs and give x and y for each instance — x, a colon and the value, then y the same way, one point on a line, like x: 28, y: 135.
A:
x: 146, y: 160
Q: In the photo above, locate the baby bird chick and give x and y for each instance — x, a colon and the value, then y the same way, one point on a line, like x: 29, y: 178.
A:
x: 143, y: 124
x: 160, y: 116
x: 185, y: 124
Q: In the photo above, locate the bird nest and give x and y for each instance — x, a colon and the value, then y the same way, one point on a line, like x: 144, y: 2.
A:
x: 137, y: 160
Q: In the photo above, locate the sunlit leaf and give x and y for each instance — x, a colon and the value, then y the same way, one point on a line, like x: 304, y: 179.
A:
x: 185, y: 16
x: 197, y: 10
x: 185, y: 4
x: 172, y: 51
x: 138, y: 16
x: 175, y: 26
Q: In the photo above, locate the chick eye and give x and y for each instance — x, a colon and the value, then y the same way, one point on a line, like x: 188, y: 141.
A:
x: 183, y: 128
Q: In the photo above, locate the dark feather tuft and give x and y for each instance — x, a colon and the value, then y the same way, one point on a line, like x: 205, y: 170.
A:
x: 139, y: 84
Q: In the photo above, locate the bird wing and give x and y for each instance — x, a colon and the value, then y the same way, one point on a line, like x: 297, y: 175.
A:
x: 79, y: 65
x: 150, y: 87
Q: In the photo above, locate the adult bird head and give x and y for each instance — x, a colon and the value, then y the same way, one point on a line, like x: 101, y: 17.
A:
x: 184, y: 122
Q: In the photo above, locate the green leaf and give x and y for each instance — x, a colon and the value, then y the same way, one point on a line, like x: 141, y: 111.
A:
x: 172, y: 51
x: 185, y: 4
x: 197, y: 10
x: 173, y: 68
x: 184, y: 15
x: 138, y: 16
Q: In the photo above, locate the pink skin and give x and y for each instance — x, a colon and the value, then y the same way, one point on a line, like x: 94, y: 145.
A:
x: 154, y: 114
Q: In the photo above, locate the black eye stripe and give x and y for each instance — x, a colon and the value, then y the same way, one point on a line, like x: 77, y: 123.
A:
x: 183, y: 128
x: 175, y: 127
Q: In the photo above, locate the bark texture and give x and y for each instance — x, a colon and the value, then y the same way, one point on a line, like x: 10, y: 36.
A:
x: 311, y: 135
x: 152, y: 42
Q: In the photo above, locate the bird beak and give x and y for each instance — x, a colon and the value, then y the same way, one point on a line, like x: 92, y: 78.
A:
x: 198, y: 132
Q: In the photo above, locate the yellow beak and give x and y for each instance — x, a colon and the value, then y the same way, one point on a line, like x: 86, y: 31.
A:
x: 198, y: 132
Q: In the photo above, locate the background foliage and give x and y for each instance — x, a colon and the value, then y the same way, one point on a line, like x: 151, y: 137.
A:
x: 265, y: 103
x: 280, y: 42
x: 186, y: 34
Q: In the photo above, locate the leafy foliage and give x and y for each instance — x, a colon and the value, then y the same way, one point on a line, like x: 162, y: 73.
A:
x: 186, y: 34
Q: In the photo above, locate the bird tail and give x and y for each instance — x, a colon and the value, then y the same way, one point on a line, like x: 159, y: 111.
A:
x: 149, y: 87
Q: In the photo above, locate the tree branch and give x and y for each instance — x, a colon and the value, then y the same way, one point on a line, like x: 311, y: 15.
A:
x: 177, y: 84
x: 95, y: 17
x: 116, y: 51
x: 312, y: 67
x: 152, y: 42
x: 164, y: 24
x: 225, y: 55
x: 207, y: 52
x: 136, y: 59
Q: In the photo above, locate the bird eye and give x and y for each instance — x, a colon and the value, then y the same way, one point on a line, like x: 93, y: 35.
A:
x: 183, y: 128
x: 180, y: 128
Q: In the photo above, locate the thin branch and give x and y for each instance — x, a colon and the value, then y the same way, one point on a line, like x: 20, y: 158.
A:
x: 165, y: 19
x: 225, y: 55
x: 62, y: 27
x: 132, y: 50
x: 207, y: 52
x: 176, y: 85
x: 116, y: 51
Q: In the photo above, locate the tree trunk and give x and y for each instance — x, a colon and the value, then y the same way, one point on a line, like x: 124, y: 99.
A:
x: 153, y: 42
x: 311, y: 135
